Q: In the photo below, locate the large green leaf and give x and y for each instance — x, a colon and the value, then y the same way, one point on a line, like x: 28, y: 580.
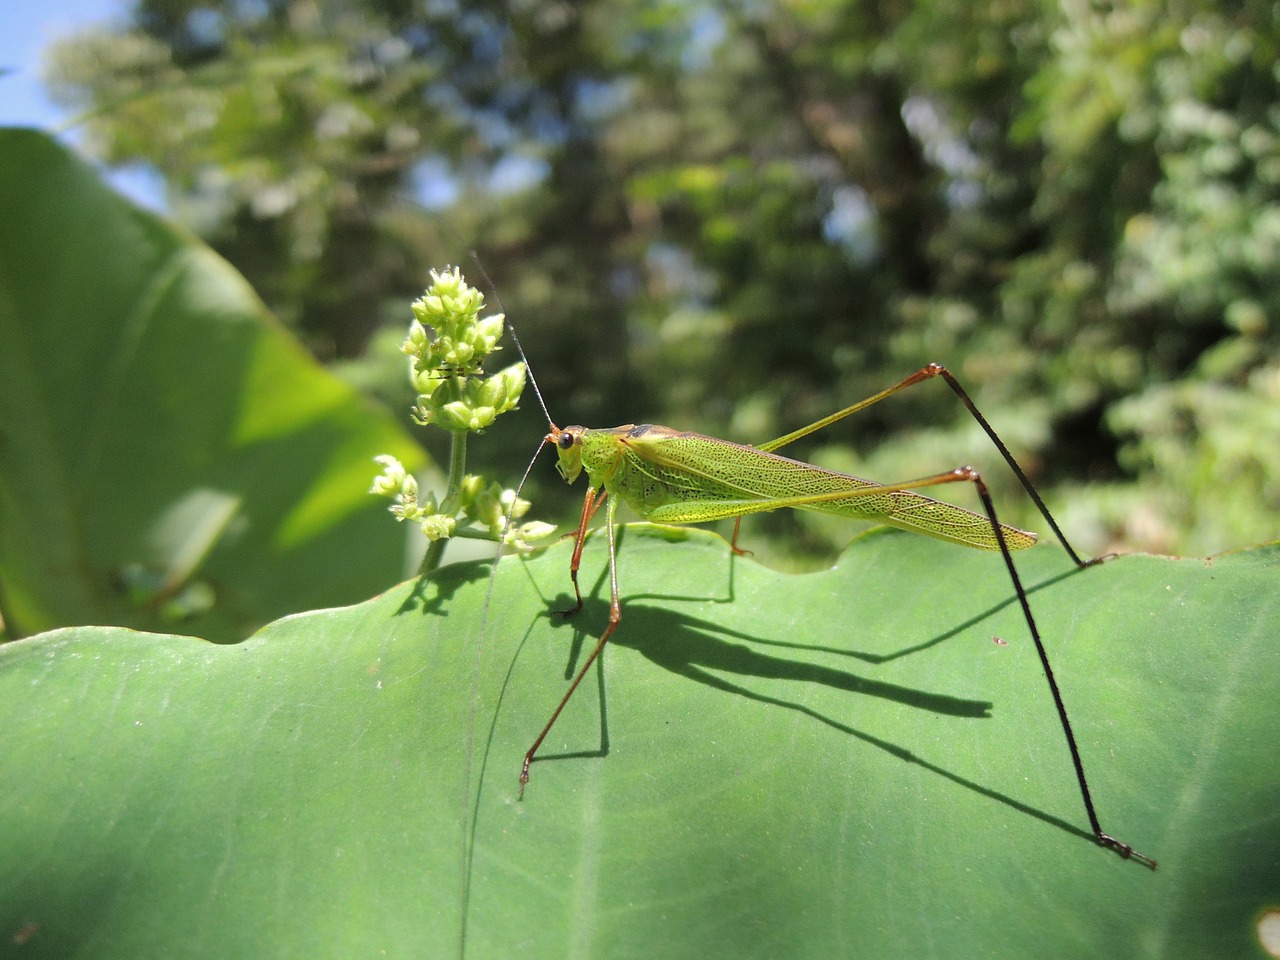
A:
x: 828, y: 765
x: 159, y: 432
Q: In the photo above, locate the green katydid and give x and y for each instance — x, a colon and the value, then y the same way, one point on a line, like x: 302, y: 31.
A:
x: 669, y: 476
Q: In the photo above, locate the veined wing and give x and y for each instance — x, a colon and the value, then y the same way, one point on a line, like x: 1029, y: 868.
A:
x: 704, y: 479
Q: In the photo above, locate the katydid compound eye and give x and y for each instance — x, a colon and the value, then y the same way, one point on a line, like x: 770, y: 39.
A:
x: 564, y: 441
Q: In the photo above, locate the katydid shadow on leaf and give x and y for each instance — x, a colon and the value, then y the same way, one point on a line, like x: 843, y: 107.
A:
x: 692, y: 648
x: 924, y: 645
x: 594, y: 590
x: 689, y: 646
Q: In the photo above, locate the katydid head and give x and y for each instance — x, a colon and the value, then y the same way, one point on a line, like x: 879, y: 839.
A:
x: 568, y: 443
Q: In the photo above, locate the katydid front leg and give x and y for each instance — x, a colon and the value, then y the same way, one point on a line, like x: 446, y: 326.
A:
x: 589, y: 508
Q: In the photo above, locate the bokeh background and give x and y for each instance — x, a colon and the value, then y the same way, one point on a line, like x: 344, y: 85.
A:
x: 737, y: 217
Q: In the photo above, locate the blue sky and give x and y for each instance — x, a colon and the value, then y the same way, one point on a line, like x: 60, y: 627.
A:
x: 27, y: 27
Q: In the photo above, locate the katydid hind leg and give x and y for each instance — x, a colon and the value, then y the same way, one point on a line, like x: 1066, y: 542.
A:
x: 970, y: 475
x: 928, y: 372
x: 1100, y: 837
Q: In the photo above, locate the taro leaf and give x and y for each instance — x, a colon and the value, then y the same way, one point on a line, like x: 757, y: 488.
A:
x: 827, y: 765
x: 169, y: 455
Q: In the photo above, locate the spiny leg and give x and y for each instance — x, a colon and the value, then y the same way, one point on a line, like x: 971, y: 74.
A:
x: 615, y: 614
x: 988, y: 505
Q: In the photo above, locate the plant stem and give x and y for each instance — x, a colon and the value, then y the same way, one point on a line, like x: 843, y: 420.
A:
x: 457, y: 470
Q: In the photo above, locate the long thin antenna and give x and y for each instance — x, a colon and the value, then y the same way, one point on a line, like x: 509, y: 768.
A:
x: 515, y: 338
x: 528, y: 370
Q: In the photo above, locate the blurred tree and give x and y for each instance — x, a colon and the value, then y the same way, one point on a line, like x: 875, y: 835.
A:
x: 740, y: 216
x: 1170, y: 111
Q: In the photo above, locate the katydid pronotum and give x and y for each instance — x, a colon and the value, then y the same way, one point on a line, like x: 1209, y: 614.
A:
x: 669, y: 476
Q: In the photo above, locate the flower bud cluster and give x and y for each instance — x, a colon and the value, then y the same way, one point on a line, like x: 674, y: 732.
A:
x: 447, y: 345
x: 477, y: 502
x: 400, y: 486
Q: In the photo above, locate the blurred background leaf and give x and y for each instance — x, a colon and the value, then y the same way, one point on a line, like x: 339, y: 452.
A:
x: 774, y: 782
x: 737, y: 218
x: 169, y: 456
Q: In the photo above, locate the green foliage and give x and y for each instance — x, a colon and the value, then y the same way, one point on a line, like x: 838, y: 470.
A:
x: 1203, y: 438
x: 800, y: 766
x: 169, y: 457
x: 738, y: 218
